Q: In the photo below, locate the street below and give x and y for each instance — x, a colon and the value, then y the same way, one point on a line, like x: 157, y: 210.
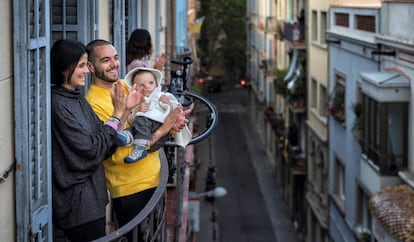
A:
x: 233, y: 157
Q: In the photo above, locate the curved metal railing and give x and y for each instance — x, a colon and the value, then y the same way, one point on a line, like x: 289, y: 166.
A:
x: 212, y: 118
x: 151, y: 221
x: 178, y: 87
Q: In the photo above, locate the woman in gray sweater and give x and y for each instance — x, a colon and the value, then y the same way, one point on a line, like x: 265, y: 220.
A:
x: 80, y: 143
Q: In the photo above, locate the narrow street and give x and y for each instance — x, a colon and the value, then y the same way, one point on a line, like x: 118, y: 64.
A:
x: 253, y: 210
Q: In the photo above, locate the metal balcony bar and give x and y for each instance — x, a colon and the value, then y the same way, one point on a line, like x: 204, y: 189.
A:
x: 151, y: 220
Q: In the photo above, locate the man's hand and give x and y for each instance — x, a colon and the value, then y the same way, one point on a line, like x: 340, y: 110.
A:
x: 118, y: 100
x: 176, y: 120
x: 180, y: 119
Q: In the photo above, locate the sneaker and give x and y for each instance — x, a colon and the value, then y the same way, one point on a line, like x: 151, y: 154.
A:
x: 123, y: 138
x: 138, y: 153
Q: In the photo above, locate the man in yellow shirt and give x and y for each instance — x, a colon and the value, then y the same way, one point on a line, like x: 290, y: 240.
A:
x: 130, y: 185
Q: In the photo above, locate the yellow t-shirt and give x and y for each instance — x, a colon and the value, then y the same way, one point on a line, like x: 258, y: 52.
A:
x: 123, y: 179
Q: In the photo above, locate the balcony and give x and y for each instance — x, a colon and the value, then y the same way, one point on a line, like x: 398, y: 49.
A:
x: 294, y: 34
x: 275, y: 120
x: 152, y: 219
x: 384, y: 140
x: 297, y: 159
x: 268, y: 66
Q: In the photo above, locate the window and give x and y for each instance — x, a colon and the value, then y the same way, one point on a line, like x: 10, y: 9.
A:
x: 365, y: 23
x: 384, y: 140
x: 315, y: 232
x: 314, y: 25
x: 313, y: 162
x: 342, y: 19
x: 319, y: 27
x: 363, y: 216
x: 339, y: 184
x: 74, y: 20
x: 320, y: 174
x: 337, y: 105
x: 314, y: 95
x: 322, y: 28
x: 323, y: 101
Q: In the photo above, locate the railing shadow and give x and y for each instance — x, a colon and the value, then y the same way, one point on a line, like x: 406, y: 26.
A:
x: 151, y: 221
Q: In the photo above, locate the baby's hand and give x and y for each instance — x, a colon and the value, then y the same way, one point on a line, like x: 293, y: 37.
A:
x: 143, y: 107
x: 166, y: 100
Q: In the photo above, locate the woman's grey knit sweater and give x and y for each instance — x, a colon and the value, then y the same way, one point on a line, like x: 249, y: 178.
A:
x: 80, y: 142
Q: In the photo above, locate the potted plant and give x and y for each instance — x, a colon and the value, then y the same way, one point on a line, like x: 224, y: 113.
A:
x: 337, y: 108
x: 279, y: 83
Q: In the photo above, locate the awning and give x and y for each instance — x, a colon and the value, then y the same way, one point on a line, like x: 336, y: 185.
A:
x: 385, y: 86
x: 296, y: 75
x: 294, y: 72
x: 292, y: 66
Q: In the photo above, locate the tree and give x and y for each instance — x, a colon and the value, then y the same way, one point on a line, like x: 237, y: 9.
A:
x: 223, y: 36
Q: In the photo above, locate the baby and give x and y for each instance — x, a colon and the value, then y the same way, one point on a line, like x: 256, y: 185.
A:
x: 151, y: 114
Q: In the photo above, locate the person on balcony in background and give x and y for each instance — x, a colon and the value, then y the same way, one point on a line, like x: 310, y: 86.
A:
x: 131, y: 185
x: 80, y: 143
x: 139, y: 51
x: 151, y: 114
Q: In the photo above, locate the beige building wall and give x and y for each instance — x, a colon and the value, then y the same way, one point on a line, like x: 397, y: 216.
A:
x: 7, y: 205
x: 317, y: 65
x: 356, y: 3
x: 282, y: 60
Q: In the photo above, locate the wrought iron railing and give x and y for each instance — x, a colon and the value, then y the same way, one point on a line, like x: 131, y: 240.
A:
x: 151, y: 221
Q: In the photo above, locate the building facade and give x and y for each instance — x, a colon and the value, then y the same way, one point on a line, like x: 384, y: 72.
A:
x: 317, y: 166
x: 349, y: 53
x: 277, y: 71
x: 357, y: 62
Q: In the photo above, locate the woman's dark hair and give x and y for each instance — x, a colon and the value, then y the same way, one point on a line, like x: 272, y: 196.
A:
x: 138, y: 46
x: 64, y: 56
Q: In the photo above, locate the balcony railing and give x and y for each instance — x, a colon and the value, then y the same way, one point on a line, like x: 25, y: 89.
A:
x: 268, y: 66
x: 297, y: 158
x: 151, y: 221
x: 294, y: 32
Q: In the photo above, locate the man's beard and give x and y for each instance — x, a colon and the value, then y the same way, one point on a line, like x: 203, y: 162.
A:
x: 101, y: 75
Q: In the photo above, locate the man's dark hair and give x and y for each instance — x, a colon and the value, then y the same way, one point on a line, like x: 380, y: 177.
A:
x: 92, y: 45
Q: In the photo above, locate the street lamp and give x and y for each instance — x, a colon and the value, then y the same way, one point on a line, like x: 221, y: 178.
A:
x: 194, y: 206
x: 216, y: 192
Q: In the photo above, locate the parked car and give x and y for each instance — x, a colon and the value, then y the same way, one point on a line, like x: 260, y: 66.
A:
x: 213, y: 84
